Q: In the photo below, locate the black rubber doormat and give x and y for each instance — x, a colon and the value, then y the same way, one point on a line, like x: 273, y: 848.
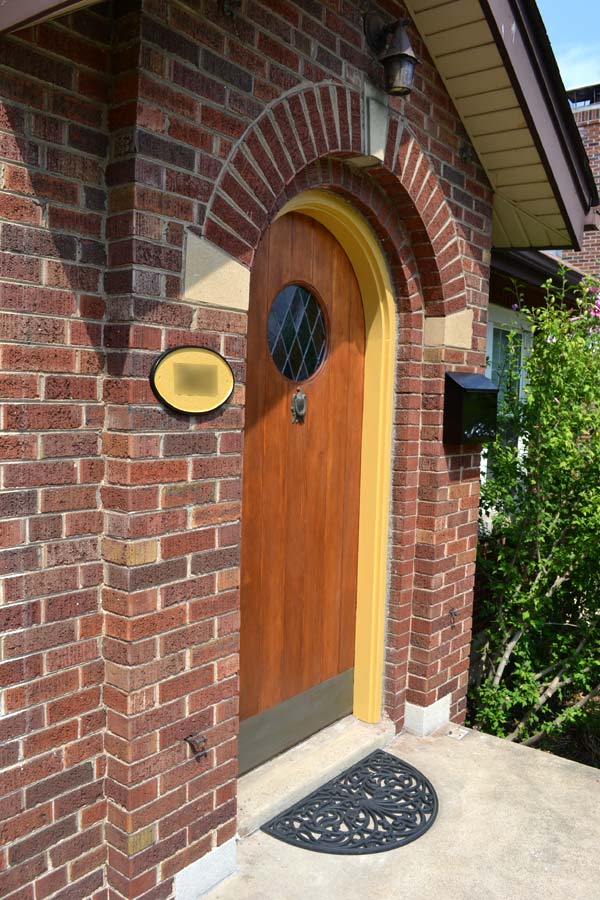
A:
x: 378, y: 804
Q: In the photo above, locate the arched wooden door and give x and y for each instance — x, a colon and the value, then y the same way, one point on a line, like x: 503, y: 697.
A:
x: 301, y: 483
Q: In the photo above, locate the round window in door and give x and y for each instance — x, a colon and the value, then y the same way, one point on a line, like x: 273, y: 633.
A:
x: 296, y: 332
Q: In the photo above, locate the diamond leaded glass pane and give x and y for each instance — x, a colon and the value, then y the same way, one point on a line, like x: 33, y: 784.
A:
x: 296, y: 333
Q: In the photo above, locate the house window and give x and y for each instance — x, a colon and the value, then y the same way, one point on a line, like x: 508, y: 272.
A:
x: 501, y: 322
x: 507, y: 377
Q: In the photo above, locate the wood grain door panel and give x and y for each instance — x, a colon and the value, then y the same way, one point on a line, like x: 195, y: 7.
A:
x: 300, y: 481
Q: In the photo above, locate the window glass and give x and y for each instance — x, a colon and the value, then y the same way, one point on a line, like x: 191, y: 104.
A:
x: 507, y: 368
x: 510, y: 379
x: 296, y: 332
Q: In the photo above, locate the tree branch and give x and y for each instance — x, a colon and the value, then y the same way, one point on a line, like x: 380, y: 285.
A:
x: 557, y: 721
x: 552, y: 688
x: 558, y: 581
x: 506, y: 656
x: 546, y: 671
x: 549, y: 692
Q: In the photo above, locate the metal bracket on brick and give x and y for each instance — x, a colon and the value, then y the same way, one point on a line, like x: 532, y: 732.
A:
x: 198, y: 744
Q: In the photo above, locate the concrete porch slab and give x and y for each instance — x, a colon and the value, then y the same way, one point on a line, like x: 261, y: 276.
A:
x: 514, y: 824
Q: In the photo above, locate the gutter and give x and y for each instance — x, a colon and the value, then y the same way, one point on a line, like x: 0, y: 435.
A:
x: 533, y: 266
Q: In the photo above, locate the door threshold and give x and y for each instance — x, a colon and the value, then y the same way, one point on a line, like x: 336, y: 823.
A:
x: 277, y: 784
x: 273, y: 731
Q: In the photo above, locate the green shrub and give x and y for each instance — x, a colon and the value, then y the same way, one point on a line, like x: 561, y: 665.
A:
x: 537, y: 646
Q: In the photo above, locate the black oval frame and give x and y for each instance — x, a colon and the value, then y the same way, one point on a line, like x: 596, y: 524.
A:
x: 324, y: 313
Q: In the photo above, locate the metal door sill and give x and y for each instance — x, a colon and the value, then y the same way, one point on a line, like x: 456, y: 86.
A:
x: 271, y: 732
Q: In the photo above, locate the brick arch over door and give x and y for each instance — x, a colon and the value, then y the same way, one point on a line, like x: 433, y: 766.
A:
x: 279, y: 155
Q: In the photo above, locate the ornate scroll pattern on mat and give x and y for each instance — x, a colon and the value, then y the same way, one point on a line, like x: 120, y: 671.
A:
x: 378, y: 804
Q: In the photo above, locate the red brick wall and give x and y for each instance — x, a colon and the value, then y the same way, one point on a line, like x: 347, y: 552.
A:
x: 171, y: 498
x: 192, y: 111
x: 181, y: 155
x: 588, y: 120
x: 53, y: 145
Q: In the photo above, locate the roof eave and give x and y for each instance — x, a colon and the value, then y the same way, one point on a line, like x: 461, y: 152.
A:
x: 522, y: 41
x: 532, y: 266
x: 29, y: 12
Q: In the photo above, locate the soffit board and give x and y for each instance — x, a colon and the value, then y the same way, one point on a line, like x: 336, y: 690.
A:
x: 466, y: 52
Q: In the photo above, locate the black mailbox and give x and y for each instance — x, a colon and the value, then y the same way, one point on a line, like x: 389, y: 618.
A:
x: 470, y: 408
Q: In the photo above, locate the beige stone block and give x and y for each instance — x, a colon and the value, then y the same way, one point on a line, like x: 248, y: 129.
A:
x: 214, y: 278
x: 141, y: 840
x: 376, y: 115
x: 455, y: 330
x: 126, y: 553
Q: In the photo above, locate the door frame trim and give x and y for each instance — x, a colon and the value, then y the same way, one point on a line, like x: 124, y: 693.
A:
x: 366, y: 257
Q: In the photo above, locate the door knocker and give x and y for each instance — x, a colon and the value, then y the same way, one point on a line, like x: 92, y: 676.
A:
x: 298, y: 406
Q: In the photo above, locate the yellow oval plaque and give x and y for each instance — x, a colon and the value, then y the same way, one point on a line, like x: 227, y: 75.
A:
x: 192, y: 379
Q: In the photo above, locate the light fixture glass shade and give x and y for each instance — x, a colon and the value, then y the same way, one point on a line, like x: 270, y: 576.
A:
x: 399, y: 74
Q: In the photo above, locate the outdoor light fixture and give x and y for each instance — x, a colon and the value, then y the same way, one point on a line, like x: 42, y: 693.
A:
x: 390, y: 44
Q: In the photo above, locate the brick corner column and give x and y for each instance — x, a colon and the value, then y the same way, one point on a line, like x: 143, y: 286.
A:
x: 171, y: 501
